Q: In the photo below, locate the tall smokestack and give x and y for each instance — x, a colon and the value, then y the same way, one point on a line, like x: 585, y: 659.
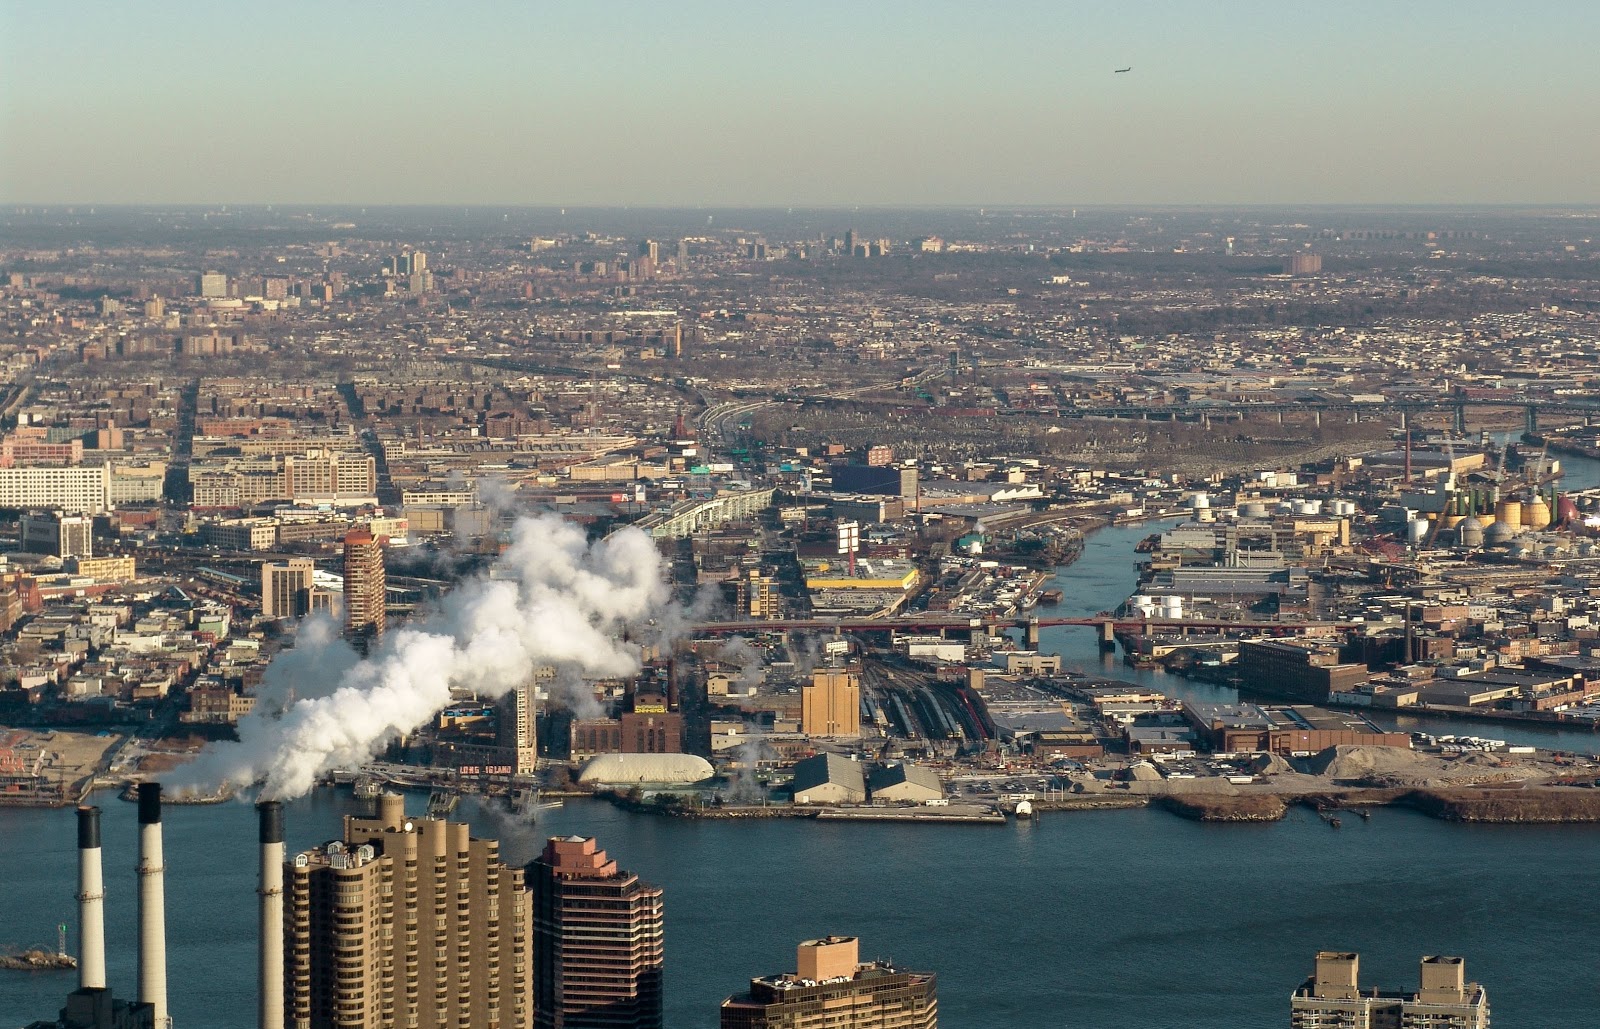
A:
x: 91, y: 903
x: 152, y: 906
x: 270, y: 1014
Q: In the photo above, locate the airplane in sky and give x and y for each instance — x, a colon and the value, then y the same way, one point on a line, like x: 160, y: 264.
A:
x: 1119, y: 71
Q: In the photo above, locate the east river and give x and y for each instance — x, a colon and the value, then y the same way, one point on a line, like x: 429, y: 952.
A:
x: 1083, y: 920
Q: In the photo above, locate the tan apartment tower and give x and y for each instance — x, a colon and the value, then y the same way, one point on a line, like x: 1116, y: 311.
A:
x: 403, y: 923
x: 830, y: 987
x: 598, y: 934
x: 1333, y: 997
x: 831, y: 705
x: 363, y: 586
x: 286, y: 588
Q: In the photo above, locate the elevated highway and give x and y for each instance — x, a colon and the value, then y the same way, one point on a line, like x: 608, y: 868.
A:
x: 1109, y: 626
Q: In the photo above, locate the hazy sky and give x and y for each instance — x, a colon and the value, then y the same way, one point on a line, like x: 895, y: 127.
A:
x: 820, y: 103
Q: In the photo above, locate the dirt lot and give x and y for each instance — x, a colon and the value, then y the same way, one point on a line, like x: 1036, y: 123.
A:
x: 73, y: 756
x: 1354, y: 768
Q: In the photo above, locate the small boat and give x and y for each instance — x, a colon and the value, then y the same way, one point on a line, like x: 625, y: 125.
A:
x: 1334, y: 821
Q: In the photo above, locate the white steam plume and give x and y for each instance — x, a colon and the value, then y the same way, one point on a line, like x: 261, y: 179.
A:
x: 550, y: 600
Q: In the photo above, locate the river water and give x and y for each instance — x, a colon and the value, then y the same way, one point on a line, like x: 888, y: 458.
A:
x: 1087, y: 920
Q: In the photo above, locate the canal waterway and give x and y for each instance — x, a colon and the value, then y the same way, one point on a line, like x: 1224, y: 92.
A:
x: 1083, y: 920
x: 1104, y: 576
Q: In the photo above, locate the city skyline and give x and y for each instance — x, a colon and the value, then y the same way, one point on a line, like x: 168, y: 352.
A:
x: 822, y: 106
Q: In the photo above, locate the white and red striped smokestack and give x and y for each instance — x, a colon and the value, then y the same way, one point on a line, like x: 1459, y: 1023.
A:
x: 152, y: 906
x: 270, y: 1015
x: 91, y: 903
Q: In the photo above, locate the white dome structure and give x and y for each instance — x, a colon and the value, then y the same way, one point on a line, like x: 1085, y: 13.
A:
x: 637, y: 769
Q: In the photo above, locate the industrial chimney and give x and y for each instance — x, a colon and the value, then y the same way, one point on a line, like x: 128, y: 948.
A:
x: 270, y: 1015
x: 152, y: 906
x: 91, y: 903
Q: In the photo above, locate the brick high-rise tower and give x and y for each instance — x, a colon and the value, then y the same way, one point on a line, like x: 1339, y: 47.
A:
x: 364, y: 585
x: 597, y: 941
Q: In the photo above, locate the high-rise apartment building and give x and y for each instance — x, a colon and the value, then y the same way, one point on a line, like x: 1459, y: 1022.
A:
x: 832, y: 987
x: 406, y: 923
x: 831, y: 705
x: 364, y: 585
x: 650, y: 250
x: 598, y: 934
x: 1303, y: 264
x: 1333, y: 999
x: 286, y: 587
x: 213, y: 285
x: 517, y: 733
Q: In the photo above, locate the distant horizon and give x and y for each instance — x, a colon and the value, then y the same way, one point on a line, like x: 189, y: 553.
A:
x: 826, y: 104
x: 995, y: 207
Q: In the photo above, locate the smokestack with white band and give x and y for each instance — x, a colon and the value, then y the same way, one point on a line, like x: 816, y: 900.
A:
x: 152, y: 906
x: 91, y: 903
x: 270, y: 1015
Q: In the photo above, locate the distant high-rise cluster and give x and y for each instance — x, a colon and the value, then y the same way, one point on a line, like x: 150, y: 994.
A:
x: 411, y: 266
x: 857, y: 246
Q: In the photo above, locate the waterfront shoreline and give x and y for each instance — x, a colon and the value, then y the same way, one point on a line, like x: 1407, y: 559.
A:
x: 1463, y: 804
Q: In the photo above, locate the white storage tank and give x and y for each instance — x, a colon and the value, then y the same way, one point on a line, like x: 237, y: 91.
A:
x: 1416, y: 530
x: 1171, y: 607
x: 1253, y: 509
x: 1344, y: 508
